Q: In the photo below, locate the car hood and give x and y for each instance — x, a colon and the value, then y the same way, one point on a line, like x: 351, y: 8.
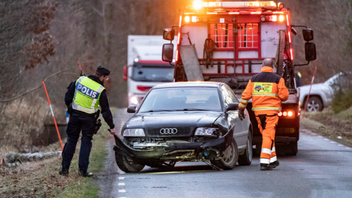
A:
x: 172, y: 119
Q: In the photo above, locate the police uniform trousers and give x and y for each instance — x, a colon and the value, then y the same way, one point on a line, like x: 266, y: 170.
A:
x: 267, y: 126
x: 78, y: 122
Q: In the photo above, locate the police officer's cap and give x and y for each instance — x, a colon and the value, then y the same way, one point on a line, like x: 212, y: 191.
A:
x: 103, y: 71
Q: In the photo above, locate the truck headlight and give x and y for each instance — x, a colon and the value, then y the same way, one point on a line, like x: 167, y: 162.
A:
x: 134, y: 100
x: 203, y: 131
x: 133, y: 132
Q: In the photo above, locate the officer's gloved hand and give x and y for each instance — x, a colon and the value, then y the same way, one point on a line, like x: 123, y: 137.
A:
x: 69, y: 108
x: 241, y: 114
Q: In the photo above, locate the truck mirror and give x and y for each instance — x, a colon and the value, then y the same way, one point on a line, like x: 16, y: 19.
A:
x: 308, y: 34
x: 310, y: 51
x: 169, y: 34
x: 168, y: 52
x: 125, y: 71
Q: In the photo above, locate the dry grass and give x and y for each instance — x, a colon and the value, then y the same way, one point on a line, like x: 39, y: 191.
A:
x: 335, y: 126
x: 41, y: 179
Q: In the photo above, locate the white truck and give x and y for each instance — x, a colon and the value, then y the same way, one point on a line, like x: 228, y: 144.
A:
x: 145, y: 67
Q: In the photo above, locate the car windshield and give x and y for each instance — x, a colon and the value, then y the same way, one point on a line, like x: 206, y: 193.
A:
x: 153, y: 74
x: 182, y: 99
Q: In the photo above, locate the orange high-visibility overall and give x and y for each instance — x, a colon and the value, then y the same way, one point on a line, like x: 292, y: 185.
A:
x: 267, y: 90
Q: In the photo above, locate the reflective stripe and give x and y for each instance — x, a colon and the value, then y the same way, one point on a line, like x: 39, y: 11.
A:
x: 265, y: 94
x: 80, y: 108
x: 265, y: 150
x: 241, y: 105
x: 273, y: 159
x: 266, y: 108
x: 273, y: 149
x: 243, y: 101
x: 95, y: 100
x: 264, y: 161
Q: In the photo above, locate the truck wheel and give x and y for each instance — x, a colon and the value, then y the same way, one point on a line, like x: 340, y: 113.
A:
x: 126, y: 163
x: 246, y: 158
x: 314, y: 104
x: 229, y: 157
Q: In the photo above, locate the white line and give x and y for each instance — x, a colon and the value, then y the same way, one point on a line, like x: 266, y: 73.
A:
x: 122, y: 190
x: 121, y: 184
x: 332, y: 142
x: 326, y: 139
x: 121, y: 177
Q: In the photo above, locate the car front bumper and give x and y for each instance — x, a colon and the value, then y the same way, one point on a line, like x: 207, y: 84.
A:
x: 163, y: 152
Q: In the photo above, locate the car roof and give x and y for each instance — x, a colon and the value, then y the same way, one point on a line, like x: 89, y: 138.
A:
x: 189, y: 84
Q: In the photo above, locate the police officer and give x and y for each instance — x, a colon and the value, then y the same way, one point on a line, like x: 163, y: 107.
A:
x: 267, y: 90
x: 83, y: 98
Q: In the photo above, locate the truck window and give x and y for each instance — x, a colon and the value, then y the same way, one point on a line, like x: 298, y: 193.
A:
x: 248, y: 35
x: 153, y: 74
x: 222, y: 34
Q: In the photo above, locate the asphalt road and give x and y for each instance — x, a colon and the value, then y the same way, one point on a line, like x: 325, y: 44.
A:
x: 322, y: 168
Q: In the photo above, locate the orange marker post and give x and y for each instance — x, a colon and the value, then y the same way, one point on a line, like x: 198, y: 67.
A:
x: 305, y: 106
x: 52, y: 113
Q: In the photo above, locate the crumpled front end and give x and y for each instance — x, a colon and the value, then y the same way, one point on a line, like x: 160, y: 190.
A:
x: 174, y: 150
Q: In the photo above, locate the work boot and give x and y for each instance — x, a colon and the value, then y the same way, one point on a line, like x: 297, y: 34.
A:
x: 274, y: 164
x: 64, y: 172
x: 264, y: 167
x: 85, y: 174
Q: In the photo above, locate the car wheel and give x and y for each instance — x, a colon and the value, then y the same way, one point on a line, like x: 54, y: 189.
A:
x: 127, y: 164
x: 314, y: 104
x: 246, y: 158
x: 229, y: 157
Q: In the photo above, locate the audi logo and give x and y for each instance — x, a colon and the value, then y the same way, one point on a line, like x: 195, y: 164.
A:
x: 168, y: 131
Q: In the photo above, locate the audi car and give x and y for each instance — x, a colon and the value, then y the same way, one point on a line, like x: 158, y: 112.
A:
x: 185, y: 121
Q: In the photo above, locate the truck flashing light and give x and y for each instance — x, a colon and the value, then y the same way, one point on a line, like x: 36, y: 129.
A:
x: 289, y: 37
x: 187, y: 19
x: 197, y: 4
x: 272, y: 18
x: 291, y: 53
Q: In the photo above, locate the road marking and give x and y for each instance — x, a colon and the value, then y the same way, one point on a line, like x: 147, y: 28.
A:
x: 332, y: 142
x: 121, y: 184
x: 122, y: 191
x: 326, y: 139
x: 121, y: 178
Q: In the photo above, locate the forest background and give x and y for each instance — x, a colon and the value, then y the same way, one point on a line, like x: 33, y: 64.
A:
x: 42, y: 40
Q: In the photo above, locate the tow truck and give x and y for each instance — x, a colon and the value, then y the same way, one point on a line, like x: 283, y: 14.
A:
x: 226, y: 41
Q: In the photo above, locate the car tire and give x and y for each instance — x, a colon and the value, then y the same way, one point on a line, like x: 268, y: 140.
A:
x: 229, y: 157
x: 246, y: 158
x: 127, y: 164
x: 314, y: 104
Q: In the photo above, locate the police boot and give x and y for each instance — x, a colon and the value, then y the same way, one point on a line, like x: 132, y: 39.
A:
x: 64, y: 172
x: 264, y: 167
x: 85, y: 174
x: 274, y: 164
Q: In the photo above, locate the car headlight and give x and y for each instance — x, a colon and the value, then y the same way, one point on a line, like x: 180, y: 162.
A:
x: 203, y: 131
x: 133, y: 132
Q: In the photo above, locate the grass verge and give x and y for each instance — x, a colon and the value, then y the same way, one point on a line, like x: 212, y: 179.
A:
x: 337, y: 127
x: 42, y: 179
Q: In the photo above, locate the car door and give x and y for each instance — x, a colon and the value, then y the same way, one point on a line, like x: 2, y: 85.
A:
x: 240, y: 133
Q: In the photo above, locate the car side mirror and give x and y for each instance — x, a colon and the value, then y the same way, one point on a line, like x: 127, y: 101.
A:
x: 308, y: 34
x: 310, y: 51
x: 168, y: 52
x: 169, y: 34
x: 232, y: 106
x: 131, y: 109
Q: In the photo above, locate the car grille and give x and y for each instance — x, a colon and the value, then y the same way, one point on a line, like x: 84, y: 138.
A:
x: 181, y: 132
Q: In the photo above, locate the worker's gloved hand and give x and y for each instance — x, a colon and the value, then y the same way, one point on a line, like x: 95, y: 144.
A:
x: 241, y: 114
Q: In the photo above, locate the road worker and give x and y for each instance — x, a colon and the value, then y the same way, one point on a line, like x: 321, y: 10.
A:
x: 267, y: 90
x: 83, y: 98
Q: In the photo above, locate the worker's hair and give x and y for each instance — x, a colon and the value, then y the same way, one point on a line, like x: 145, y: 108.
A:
x: 268, y: 62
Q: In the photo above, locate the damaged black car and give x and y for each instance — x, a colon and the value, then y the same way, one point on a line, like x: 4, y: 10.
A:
x: 185, y: 121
